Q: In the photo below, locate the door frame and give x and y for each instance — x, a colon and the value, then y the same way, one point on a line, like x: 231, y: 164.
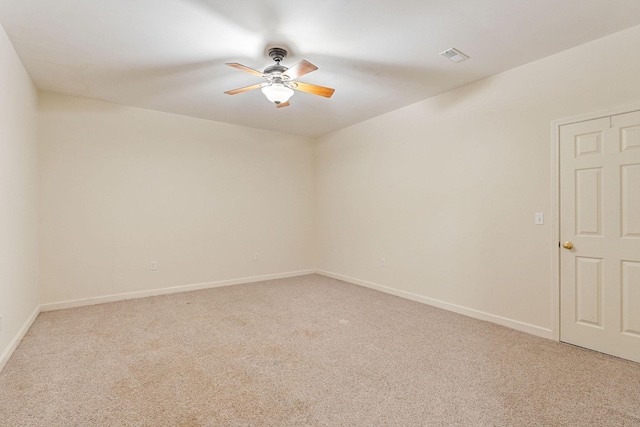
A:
x: 555, y: 183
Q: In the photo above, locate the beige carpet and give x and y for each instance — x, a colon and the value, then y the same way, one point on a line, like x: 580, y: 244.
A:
x: 306, y: 351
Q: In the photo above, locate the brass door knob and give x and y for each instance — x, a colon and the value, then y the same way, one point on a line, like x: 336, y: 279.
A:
x: 567, y: 245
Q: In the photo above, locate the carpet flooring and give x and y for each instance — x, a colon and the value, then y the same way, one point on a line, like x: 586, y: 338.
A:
x: 304, y: 351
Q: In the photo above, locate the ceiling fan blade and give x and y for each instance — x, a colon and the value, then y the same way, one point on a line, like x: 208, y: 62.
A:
x: 300, y: 69
x: 283, y: 104
x: 246, y: 88
x: 245, y: 68
x: 314, y: 89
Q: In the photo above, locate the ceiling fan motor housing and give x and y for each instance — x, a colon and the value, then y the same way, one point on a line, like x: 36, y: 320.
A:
x: 275, y: 69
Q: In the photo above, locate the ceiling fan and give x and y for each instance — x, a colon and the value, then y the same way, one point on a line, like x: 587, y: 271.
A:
x: 280, y: 84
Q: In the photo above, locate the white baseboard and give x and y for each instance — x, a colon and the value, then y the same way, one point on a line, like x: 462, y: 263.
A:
x: 165, y: 291
x: 4, y: 358
x: 510, y: 323
x: 476, y: 314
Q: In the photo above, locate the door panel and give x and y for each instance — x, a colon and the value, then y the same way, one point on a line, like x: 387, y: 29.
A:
x: 588, y: 202
x: 630, y: 183
x: 589, y: 291
x: 600, y: 215
x: 631, y: 297
x: 630, y: 137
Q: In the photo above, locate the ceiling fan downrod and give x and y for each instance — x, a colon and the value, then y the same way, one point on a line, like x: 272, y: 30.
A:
x: 277, y: 54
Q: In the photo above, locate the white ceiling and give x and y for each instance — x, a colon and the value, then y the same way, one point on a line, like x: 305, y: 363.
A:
x: 379, y: 55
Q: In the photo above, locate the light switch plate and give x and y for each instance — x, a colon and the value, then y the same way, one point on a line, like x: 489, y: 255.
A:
x: 539, y: 218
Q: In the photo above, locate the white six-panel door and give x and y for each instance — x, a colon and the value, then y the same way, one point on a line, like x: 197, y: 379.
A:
x: 600, y: 219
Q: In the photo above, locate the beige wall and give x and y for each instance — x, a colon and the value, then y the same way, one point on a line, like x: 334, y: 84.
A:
x: 18, y: 198
x: 123, y: 186
x: 446, y: 189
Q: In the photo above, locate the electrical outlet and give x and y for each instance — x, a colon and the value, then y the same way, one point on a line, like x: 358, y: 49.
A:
x: 256, y: 256
x: 154, y: 265
x: 383, y: 263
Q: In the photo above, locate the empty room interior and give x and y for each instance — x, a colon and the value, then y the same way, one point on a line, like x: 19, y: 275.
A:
x: 336, y: 213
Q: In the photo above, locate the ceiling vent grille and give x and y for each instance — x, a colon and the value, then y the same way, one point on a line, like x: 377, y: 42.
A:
x: 455, y: 55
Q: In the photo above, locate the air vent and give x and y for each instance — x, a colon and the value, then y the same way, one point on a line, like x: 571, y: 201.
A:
x: 454, y: 54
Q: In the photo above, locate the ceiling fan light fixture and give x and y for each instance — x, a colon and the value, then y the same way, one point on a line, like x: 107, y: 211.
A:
x: 277, y: 93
